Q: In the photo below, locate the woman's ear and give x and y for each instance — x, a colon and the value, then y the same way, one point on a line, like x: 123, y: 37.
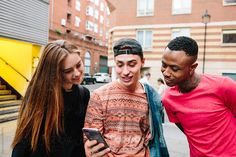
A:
x: 192, y: 68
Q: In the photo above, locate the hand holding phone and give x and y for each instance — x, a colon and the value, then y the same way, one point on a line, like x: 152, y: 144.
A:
x: 94, y: 134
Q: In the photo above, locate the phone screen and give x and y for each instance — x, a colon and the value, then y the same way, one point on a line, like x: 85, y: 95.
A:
x: 94, y: 134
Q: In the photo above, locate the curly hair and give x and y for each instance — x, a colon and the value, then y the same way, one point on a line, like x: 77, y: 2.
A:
x: 186, y: 44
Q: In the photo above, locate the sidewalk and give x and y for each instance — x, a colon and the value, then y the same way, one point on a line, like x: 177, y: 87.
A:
x: 175, y: 139
x: 7, y: 131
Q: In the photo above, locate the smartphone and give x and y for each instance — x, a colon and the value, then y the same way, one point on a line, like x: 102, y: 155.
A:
x: 94, y: 134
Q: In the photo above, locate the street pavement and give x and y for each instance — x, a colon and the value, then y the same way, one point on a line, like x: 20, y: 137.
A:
x: 175, y: 139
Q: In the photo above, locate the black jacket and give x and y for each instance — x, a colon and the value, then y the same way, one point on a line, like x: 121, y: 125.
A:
x: 70, y: 144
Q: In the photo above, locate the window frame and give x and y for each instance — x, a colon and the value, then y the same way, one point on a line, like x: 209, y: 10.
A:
x: 89, y: 25
x: 181, y: 10
x: 138, y: 10
x: 90, y: 11
x: 228, y: 4
x: 87, y: 62
x: 96, y: 2
x: 77, y: 21
x: 180, y: 29
x: 143, y: 44
x: 101, y: 20
x: 101, y: 32
x: 95, y: 28
x: 227, y: 31
x: 77, y: 5
x: 96, y: 14
x: 229, y: 74
x: 101, y: 6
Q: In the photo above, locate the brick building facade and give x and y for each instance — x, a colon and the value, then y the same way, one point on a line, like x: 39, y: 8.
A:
x: 85, y: 23
x: 155, y: 22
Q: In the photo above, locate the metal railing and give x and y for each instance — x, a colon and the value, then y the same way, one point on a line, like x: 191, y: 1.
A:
x: 27, y: 80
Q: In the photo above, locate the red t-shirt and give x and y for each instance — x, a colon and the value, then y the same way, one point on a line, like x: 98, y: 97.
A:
x: 207, y: 114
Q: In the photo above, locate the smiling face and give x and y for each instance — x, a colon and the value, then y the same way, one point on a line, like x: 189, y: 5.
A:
x: 177, y: 67
x: 128, y: 67
x: 72, y: 70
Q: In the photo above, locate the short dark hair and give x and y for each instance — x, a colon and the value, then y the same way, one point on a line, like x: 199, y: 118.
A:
x: 186, y: 44
x: 160, y: 80
x: 148, y: 74
x: 128, y: 46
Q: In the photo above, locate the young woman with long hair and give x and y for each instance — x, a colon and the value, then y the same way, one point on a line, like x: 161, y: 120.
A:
x: 52, y: 113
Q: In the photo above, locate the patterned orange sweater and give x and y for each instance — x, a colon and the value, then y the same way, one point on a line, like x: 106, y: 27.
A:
x: 122, y: 118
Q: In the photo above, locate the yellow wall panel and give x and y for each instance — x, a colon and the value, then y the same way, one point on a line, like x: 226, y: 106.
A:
x: 18, y: 55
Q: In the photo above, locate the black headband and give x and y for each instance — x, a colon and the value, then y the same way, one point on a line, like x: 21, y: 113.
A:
x: 127, y: 46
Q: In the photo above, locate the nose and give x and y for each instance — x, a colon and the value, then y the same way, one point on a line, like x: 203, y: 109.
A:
x: 166, y: 72
x: 77, y: 72
x: 125, y: 70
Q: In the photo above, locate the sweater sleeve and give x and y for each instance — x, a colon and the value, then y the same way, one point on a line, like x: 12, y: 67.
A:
x: 95, y: 115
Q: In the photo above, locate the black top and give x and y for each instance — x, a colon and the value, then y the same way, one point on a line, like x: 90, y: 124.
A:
x: 70, y: 144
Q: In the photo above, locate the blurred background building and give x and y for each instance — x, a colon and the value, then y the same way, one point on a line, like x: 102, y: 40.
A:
x: 23, y: 30
x: 27, y: 26
x: 84, y: 22
x: 155, y: 22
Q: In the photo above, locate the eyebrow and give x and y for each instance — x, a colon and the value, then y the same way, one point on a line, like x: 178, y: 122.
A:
x: 71, y: 67
x: 171, y: 65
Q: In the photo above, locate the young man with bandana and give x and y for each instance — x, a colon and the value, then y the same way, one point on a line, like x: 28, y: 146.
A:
x: 203, y: 106
x: 126, y: 112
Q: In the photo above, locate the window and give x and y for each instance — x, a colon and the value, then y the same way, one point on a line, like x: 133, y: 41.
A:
x: 107, y: 35
x: 101, y: 19
x: 89, y: 25
x: 176, y: 32
x: 102, y: 7
x: 96, y: 14
x: 69, y: 3
x: 101, y: 32
x: 68, y: 17
x: 95, y: 28
x: 87, y: 62
x: 229, y: 37
x: 232, y: 75
x: 229, y: 2
x: 77, y: 21
x: 145, y: 7
x: 97, y: 2
x: 145, y: 38
x: 108, y: 11
x: 100, y: 42
x: 77, y: 5
x: 181, y: 6
x: 89, y: 11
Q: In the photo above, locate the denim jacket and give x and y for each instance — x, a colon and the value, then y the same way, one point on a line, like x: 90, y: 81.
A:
x: 157, y: 144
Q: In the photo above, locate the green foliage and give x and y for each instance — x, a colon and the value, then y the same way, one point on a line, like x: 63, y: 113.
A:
x: 58, y: 31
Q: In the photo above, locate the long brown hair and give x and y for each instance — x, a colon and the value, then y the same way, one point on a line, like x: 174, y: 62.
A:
x: 42, y: 106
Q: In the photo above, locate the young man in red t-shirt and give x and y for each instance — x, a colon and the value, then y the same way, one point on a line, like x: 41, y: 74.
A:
x: 202, y: 106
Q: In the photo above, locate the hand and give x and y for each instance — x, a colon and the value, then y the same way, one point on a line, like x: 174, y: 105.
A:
x: 92, y: 149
